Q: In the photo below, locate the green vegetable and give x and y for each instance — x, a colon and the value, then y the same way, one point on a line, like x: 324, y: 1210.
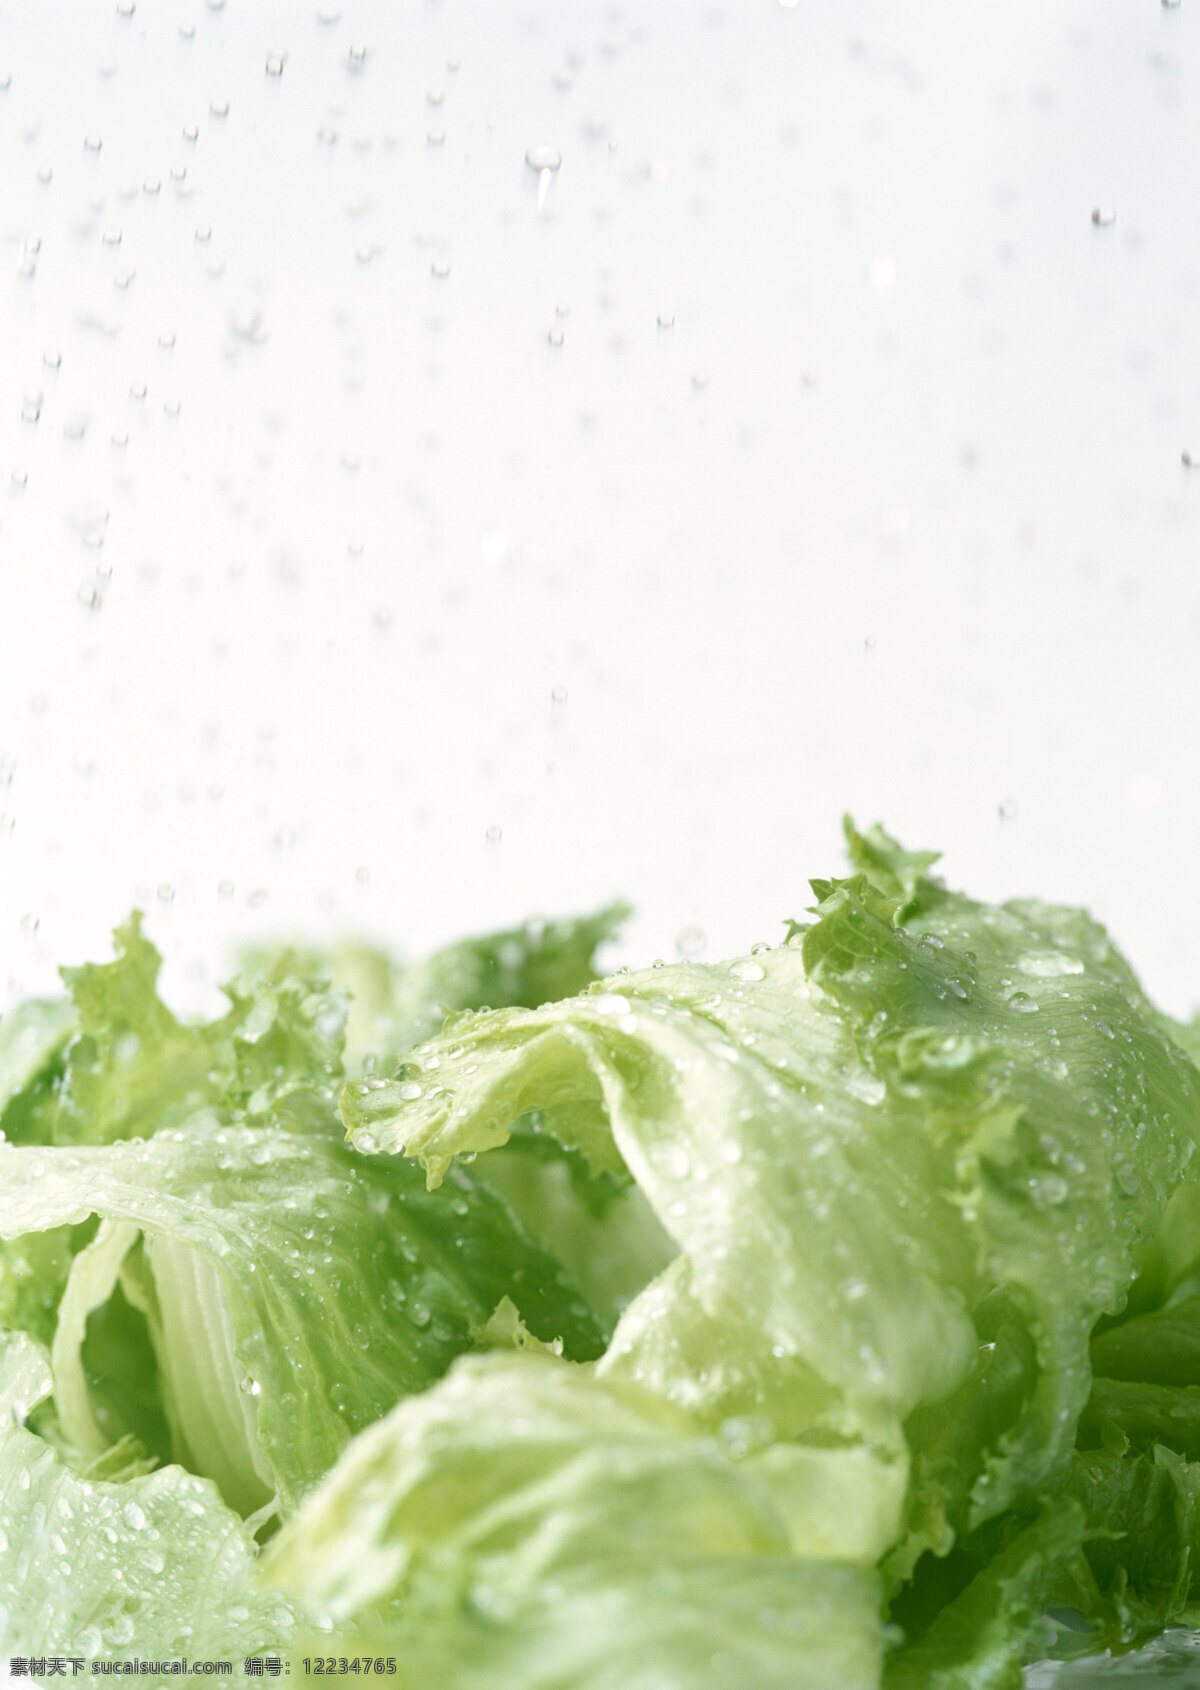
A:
x: 152, y: 1565
x: 525, y: 1523
x: 291, y: 1290
x: 829, y: 1317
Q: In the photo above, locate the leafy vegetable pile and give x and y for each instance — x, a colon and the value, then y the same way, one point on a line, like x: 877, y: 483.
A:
x: 822, y: 1319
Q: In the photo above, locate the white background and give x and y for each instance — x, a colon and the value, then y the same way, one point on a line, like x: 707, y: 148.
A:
x: 856, y: 480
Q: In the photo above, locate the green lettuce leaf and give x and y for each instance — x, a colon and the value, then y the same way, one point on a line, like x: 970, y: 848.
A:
x: 1168, y: 1265
x: 288, y: 1290
x: 1143, y: 1551
x: 32, y: 1271
x: 1172, y: 1658
x: 396, y: 1005
x: 1159, y: 1348
x: 115, y: 1063
x: 1088, y: 1121
x: 601, y: 1228
x: 132, y: 1067
x: 861, y: 1142
x: 976, y: 1641
x: 863, y: 1269
x: 525, y: 1523
x: 599, y: 1225
x: 156, y: 1565
x: 32, y: 1037
x: 1145, y: 1414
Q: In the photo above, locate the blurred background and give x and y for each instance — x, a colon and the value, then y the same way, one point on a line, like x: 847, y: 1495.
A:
x: 467, y: 460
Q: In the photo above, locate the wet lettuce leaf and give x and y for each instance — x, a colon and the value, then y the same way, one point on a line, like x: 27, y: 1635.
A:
x: 32, y: 1037
x: 394, y: 1005
x: 976, y: 1641
x: 602, y: 1228
x: 155, y: 1565
x: 1173, y: 1658
x: 824, y: 1317
x: 291, y: 1290
x: 1161, y: 1347
x: 526, y: 1523
x: 113, y: 1062
x: 859, y: 1142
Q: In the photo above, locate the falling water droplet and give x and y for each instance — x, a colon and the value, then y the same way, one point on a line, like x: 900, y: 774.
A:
x: 543, y: 158
x: 275, y: 62
x: 1103, y: 216
x: 494, y: 834
x: 546, y: 161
